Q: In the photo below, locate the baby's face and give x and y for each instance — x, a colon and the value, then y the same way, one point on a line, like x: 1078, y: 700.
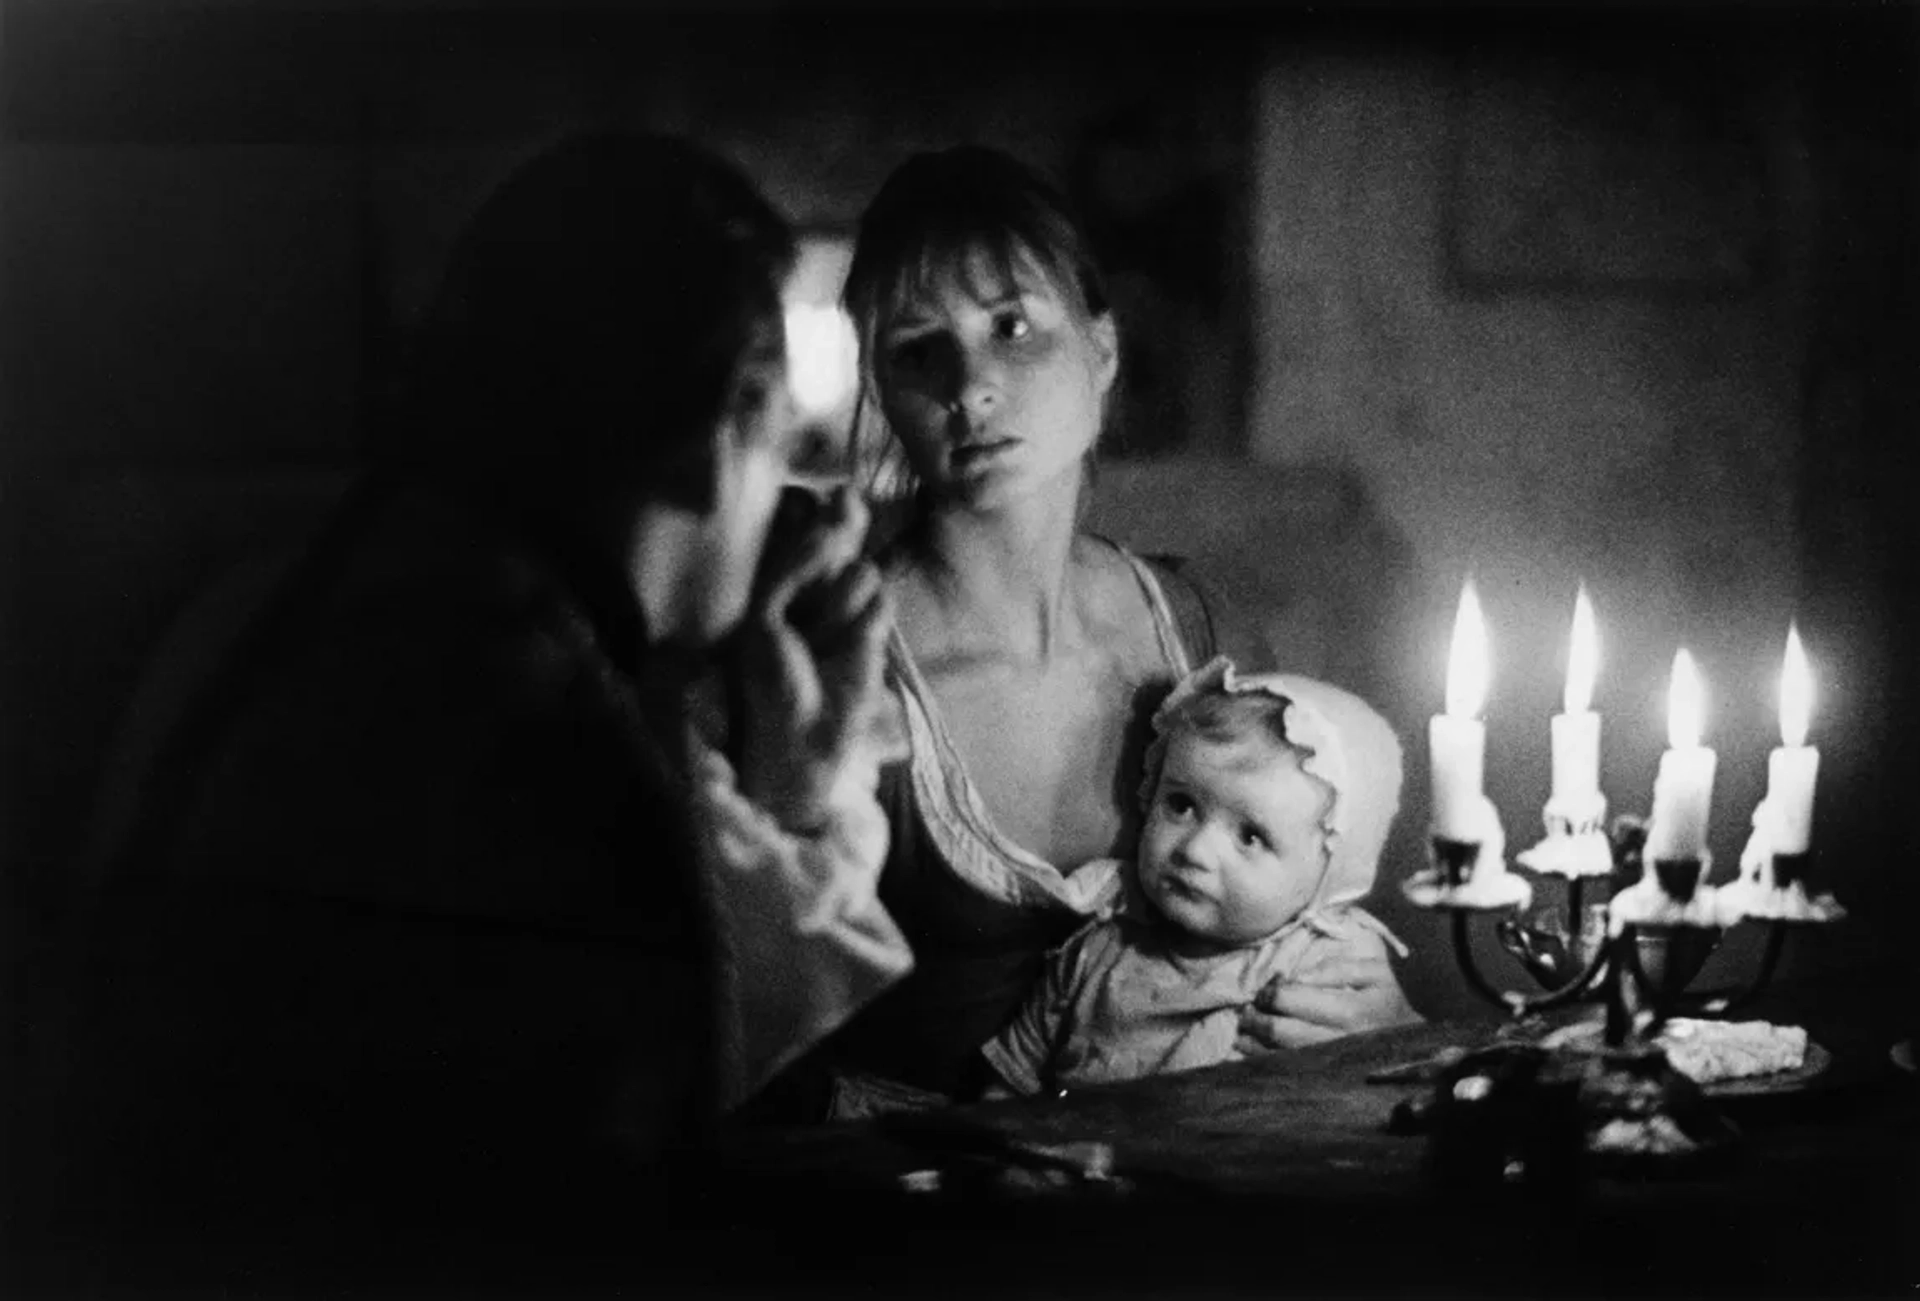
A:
x: 1232, y: 849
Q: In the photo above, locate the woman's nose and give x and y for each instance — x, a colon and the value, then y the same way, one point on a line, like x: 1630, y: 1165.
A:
x: 979, y: 382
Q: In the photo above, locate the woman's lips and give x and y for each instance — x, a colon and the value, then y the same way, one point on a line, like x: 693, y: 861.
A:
x: 968, y: 454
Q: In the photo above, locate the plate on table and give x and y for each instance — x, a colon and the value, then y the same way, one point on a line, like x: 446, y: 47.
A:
x: 1587, y: 1036
x: 1804, y: 1076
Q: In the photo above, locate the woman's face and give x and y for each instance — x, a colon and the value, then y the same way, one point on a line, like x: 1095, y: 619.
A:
x: 994, y: 383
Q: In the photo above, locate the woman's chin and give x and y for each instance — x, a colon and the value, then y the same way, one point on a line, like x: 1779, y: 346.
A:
x: 1007, y: 486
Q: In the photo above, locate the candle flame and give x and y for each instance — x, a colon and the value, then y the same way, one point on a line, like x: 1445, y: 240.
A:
x: 1685, y: 704
x: 1583, y: 656
x: 1468, y: 659
x: 1796, y: 691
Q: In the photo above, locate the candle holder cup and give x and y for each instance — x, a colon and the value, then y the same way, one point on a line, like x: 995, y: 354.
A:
x: 1679, y: 877
x: 1455, y: 859
x: 1791, y: 870
x: 1667, y: 958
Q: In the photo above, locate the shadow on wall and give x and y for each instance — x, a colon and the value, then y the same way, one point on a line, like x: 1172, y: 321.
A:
x: 1303, y: 552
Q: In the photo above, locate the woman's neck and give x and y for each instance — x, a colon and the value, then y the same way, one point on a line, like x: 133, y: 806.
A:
x: 1006, y: 572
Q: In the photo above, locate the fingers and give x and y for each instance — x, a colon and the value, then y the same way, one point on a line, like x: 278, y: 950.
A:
x: 814, y: 539
x: 837, y: 603
x: 1261, y: 1033
x: 1344, y: 971
x: 851, y: 664
x: 886, y: 734
x: 1338, y: 1009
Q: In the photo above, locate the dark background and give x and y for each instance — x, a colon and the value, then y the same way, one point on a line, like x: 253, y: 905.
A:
x: 1611, y: 293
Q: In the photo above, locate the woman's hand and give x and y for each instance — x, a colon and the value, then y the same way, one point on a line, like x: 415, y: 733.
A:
x: 1347, y: 991
x: 810, y: 658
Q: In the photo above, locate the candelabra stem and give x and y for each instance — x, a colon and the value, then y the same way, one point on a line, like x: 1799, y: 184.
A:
x: 1619, y: 1015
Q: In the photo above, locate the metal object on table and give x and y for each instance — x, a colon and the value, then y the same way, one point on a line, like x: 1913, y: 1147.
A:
x: 940, y: 1136
x: 1640, y: 960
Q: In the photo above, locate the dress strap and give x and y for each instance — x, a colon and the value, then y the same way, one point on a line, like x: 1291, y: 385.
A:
x: 1172, y: 646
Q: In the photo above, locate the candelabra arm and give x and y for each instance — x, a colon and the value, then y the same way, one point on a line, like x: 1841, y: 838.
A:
x: 1520, y: 1004
x: 1463, y: 954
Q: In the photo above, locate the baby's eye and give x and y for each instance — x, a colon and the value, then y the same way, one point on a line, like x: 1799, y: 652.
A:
x: 1180, y: 805
x: 1251, y: 837
x: 1012, y: 326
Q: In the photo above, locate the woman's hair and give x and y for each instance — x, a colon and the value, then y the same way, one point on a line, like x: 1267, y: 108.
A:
x: 592, y: 318
x: 933, y: 213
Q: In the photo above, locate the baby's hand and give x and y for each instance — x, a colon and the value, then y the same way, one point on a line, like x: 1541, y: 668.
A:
x: 1336, y: 993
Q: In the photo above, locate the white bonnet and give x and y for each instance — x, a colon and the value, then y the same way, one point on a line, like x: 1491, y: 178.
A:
x: 1343, y: 741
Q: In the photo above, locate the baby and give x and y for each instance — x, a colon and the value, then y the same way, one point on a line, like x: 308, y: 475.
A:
x: 1268, y: 798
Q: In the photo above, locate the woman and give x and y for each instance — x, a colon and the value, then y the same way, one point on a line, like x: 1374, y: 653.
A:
x: 438, y: 932
x: 1028, y: 653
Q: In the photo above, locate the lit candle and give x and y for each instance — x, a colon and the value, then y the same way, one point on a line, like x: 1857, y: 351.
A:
x: 1576, y: 732
x: 1683, y: 790
x: 1792, y: 767
x: 1457, y: 739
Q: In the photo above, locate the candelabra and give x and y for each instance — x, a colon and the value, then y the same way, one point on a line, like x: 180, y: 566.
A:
x: 1637, y: 949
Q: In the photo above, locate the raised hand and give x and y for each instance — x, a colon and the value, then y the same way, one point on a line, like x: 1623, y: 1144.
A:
x: 810, y: 657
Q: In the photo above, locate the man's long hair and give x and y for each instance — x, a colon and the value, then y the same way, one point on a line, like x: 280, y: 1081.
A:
x: 592, y: 317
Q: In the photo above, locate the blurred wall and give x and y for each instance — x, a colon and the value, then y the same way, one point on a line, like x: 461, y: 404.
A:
x: 1610, y: 394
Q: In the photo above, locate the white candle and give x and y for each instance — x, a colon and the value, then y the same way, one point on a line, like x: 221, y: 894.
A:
x: 1576, y: 732
x: 1791, y: 768
x: 1683, y: 790
x: 1457, y: 739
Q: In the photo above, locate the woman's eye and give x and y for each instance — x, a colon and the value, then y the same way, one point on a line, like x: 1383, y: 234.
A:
x: 910, y: 354
x: 1251, y: 838
x: 1180, y: 805
x: 1012, y: 326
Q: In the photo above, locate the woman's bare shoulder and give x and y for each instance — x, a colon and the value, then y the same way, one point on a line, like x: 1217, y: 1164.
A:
x: 1111, y: 600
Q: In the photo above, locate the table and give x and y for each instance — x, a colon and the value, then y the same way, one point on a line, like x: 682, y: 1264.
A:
x: 1280, y: 1173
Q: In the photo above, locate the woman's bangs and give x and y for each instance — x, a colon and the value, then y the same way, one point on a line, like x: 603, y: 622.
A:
x: 985, y: 262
